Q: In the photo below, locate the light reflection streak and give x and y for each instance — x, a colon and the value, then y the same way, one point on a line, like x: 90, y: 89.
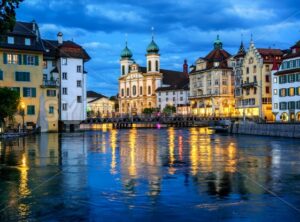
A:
x: 113, y: 144
x: 171, y: 132
x: 132, y: 146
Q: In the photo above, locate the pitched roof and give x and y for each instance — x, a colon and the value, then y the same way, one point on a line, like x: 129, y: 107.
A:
x: 170, y: 77
x: 93, y: 94
x: 241, y: 53
x: 217, y: 55
x: 182, y: 85
x: 67, y: 49
x: 288, y: 71
x: 21, y: 31
x: 269, y: 54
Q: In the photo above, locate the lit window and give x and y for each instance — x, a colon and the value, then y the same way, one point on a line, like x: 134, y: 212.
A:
x: 12, y: 59
x: 275, y: 91
x: 275, y: 80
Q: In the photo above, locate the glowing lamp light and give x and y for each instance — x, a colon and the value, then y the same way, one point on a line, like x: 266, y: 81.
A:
x: 22, y: 105
x: 158, y: 126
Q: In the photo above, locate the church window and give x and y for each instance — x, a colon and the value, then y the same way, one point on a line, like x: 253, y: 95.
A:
x: 122, y: 92
x: 134, y: 90
x: 149, y: 66
x: 123, y: 70
x: 156, y: 65
x: 141, y: 90
x: 149, y: 90
x: 127, y: 91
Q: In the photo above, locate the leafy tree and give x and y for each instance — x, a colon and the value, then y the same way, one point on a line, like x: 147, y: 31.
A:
x: 10, y: 100
x: 169, y: 109
x: 8, y: 14
x: 149, y: 110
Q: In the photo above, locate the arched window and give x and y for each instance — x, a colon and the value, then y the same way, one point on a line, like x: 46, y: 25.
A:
x: 149, y: 66
x: 156, y: 65
x: 122, y: 92
x: 141, y: 90
x: 149, y: 90
x: 123, y: 70
x: 127, y: 91
x: 134, y: 90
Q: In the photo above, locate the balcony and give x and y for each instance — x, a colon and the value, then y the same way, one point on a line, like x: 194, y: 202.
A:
x: 246, y: 84
x: 50, y: 84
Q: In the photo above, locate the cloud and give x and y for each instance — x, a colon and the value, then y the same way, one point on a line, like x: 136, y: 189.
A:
x: 183, y: 29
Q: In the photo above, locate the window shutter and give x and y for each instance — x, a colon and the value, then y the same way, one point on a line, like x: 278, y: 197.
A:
x: 287, y: 92
x: 33, y: 92
x: 5, y: 58
x: 36, y: 60
x: 25, y: 59
x: 19, y: 59
x: 1, y: 75
x: 25, y: 92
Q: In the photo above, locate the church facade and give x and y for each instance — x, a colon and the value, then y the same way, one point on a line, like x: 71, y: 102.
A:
x: 138, y: 85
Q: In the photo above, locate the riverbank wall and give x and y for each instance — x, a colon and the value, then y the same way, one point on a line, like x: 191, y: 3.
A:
x: 269, y: 129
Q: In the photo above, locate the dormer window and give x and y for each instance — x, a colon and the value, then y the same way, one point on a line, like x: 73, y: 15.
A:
x: 216, y: 64
x: 294, y: 51
x: 27, y: 41
x: 10, y: 40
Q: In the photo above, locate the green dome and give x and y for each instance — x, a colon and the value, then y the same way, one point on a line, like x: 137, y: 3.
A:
x: 152, y: 47
x: 218, y: 44
x: 126, y: 53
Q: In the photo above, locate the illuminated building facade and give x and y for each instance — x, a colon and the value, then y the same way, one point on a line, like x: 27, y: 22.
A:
x: 212, y: 84
x: 138, y: 85
x: 286, y: 87
x: 257, y: 85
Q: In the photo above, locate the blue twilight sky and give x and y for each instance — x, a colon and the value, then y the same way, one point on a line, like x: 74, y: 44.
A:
x: 183, y: 29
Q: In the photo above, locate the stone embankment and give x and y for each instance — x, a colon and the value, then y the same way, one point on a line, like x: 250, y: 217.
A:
x: 280, y: 130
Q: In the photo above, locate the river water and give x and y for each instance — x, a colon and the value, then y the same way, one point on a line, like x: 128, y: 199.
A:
x: 149, y: 175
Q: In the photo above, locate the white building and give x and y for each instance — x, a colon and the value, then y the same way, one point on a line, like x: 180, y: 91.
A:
x: 286, y: 87
x: 64, y: 62
x: 176, y: 95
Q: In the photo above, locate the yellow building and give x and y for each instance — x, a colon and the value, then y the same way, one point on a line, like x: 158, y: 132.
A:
x: 212, y: 84
x: 99, y: 105
x: 138, y: 85
x: 257, y: 84
x: 21, y: 62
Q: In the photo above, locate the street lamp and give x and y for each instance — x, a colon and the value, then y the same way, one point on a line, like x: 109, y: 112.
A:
x: 23, y: 114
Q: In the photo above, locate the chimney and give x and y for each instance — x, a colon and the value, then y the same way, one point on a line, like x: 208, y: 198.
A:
x: 185, y: 68
x: 33, y: 26
x: 275, y: 64
x: 60, y: 38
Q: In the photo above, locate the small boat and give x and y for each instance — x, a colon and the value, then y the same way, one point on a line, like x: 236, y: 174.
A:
x: 220, y: 129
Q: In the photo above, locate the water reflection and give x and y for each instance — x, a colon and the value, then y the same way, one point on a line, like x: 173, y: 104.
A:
x: 124, y: 172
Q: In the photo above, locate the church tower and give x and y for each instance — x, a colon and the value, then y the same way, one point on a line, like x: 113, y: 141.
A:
x: 126, y: 60
x: 153, y: 60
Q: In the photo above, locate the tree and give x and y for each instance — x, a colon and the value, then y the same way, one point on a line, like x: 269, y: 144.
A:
x: 8, y: 14
x: 149, y: 110
x: 169, y: 109
x: 10, y: 100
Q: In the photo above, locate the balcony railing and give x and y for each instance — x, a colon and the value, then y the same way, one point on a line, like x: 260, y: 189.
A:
x: 50, y: 84
x: 249, y: 84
